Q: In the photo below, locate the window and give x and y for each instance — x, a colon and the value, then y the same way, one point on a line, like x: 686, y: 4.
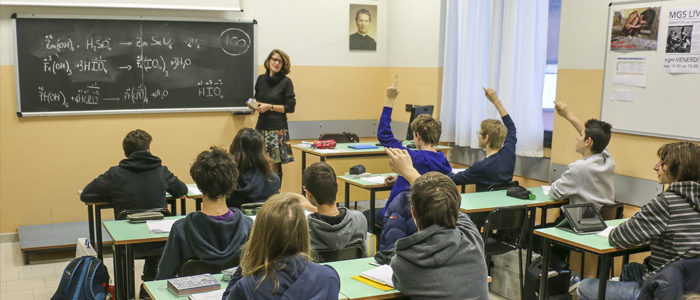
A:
x: 550, y: 77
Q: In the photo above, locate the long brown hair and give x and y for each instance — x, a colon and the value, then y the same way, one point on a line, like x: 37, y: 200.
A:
x: 286, y: 62
x: 248, y: 150
x: 280, y: 230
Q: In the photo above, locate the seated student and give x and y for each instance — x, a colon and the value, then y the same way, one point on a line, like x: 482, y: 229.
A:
x: 139, y: 182
x: 589, y: 179
x: 277, y: 262
x: 215, y: 234
x: 445, y: 259
x: 257, y: 180
x: 331, y: 227
x: 670, y: 222
x: 426, y: 134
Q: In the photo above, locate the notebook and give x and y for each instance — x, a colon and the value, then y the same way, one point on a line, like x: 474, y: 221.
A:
x: 358, y: 147
x: 160, y: 226
x: 379, y: 277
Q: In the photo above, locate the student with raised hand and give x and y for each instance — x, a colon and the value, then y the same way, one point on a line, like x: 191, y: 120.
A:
x: 445, y: 259
x: 257, y: 180
x: 590, y: 179
x: 276, y: 263
x: 331, y: 227
x: 670, y: 223
x: 426, y: 135
x: 215, y: 234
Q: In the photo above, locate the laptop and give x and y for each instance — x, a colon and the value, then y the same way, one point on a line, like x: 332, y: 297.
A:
x: 581, y: 219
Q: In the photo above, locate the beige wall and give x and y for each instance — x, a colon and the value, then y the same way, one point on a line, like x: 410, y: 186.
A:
x: 44, y: 161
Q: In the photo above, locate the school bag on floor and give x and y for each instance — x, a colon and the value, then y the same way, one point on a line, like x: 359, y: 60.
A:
x: 85, y: 278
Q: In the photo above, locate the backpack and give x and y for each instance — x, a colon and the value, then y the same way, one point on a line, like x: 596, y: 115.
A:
x: 85, y: 278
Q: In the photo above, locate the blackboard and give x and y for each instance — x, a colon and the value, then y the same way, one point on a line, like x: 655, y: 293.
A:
x: 70, y: 65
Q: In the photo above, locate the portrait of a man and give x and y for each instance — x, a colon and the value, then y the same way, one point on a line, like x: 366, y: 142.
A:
x: 363, y: 29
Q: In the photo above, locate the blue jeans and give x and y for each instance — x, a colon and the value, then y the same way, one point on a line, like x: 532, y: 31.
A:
x: 627, y: 288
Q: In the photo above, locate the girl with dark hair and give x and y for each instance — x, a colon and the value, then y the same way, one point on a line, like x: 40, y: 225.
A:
x: 276, y: 262
x: 257, y: 181
x: 274, y: 92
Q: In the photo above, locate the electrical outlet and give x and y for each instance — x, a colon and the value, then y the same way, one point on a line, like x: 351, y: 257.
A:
x: 409, y: 107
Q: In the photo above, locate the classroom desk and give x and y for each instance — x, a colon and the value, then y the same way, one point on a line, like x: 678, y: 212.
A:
x: 125, y: 235
x: 349, y: 152
x: 353, y: 289
x: 588, y: 243
x: 487, y: 201
x: 367, y: 185
x: 158, y: 290
x: 95, y: 215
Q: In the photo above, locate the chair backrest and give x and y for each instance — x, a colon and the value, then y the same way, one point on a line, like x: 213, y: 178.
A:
x: 345, y: 137
x: 346, y: 253
x: 507, y: 218
x: 122, y: 215
x: 502, y: 186
x: 195, y: 266
x: 612, y: 212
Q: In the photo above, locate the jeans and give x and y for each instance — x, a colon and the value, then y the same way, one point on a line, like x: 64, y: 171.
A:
x: 378, y: 221
x: 627, y: 288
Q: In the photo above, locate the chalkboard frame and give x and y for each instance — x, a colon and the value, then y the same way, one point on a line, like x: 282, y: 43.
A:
x: 233, y: 110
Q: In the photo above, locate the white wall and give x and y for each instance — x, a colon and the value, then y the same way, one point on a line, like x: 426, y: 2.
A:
x: 312, y: 32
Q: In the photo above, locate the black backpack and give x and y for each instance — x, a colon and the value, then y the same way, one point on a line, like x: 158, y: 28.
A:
x: 85, y: 278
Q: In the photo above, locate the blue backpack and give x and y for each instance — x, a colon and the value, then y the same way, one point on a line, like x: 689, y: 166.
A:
x: 85, y: 278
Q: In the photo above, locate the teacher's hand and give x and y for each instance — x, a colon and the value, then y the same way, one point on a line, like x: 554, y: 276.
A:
x: 264, y: 108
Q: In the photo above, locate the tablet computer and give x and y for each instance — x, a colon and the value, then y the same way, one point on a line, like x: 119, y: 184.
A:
x: 582, y: 219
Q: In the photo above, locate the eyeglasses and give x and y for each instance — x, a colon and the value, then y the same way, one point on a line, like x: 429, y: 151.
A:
x: 274, y: 60
x: 478, y: 132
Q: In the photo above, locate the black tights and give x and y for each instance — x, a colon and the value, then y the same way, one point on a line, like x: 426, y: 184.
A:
x: 278, y: 168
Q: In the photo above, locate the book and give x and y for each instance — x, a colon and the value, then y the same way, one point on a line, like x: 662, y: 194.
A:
x: 381, y: 275
x: 357, y: 147
x: 193, y: 284
x: 213, y: 295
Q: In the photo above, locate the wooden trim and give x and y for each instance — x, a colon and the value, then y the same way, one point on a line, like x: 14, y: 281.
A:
x: 140, y: 241
x: 397, y: 294
x: 585, y: 247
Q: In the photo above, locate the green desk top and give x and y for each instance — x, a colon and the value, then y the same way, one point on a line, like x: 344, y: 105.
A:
x: 354, y: 289
x: 123, y: 232
x: 590, y: 242
x: 350, y: 151
x: 364, y: 183
x: 487, y: 201
x: 159, y: 289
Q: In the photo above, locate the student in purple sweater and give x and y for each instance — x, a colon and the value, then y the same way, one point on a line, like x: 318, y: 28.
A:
x: 426, y: 134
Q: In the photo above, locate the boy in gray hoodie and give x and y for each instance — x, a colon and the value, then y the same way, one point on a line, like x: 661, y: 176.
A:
x: 331, y: 227
x: 445, y: 259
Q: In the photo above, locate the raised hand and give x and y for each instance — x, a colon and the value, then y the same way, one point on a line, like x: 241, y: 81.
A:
x: 392, y: 92
x: 562, y: 108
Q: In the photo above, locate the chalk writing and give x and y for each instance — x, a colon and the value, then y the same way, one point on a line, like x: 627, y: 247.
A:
x: 59, y: 45
x: 136, y: 94
x: 49, y: 96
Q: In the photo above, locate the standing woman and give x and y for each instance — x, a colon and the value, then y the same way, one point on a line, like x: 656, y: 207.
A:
x: 274, y: 92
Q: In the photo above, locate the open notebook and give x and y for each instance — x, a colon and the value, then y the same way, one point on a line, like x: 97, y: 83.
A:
x: 379, y: 277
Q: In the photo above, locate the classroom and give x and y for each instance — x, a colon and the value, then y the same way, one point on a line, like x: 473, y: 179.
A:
x: 44, y: 160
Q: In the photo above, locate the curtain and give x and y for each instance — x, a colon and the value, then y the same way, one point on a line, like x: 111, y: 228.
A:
x: 501, y: 44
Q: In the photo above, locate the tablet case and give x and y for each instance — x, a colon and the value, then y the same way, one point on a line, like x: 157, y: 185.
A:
x: 581, y: 219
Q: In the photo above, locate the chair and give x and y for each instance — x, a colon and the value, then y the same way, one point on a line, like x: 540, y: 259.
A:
x: 502, y: 186
x: 149, y: 251
x: 506, y: 219
x: 345, y: 137
x: 351, y: 252
x: 195, y: 266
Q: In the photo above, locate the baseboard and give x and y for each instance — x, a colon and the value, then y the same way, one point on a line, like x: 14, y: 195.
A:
x: 9, y: 238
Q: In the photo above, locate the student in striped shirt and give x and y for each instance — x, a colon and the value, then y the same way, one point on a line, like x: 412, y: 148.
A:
x: 670, y: 222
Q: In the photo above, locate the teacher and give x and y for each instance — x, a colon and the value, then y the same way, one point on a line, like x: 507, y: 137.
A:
x: 274, y: 93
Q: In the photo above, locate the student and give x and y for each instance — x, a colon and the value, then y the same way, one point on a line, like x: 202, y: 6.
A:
x: 277, y: 262
x: 445, y: 259
x: 139, y: 182
x: 257, y: 180
x: 426, y: 135
x: 331, y: 227
x: 215, y: 234
x: 589, y: 179
x: 670, y: 222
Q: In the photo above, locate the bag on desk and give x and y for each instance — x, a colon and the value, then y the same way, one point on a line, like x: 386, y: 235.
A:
x: 85, y: 278
x: 325, y: 144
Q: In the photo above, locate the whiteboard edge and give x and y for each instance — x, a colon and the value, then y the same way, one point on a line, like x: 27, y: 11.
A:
x: 666, y: 136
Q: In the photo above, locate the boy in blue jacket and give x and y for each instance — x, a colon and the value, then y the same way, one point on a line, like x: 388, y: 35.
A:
x: 426, y: 135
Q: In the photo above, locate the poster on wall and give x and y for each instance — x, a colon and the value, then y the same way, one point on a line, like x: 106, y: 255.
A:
x: 635, y: 29
x: 683, y: 41
x: 363, y: 27
x: 630, y: 71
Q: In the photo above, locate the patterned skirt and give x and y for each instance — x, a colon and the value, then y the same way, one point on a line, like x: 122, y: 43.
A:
x: 277, y: 145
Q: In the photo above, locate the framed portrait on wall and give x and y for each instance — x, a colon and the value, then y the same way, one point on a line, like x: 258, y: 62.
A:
x: 363, y: 27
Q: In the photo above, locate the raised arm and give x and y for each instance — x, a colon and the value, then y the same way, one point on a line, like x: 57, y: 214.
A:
x: 493, y: 97
x: 384, y: 132
x: 563, y: 110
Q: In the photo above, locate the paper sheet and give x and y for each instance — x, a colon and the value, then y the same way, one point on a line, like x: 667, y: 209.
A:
x: 374, y: 179
x: 213, y: 295
x: 381, y: 274
x: 328, y: 151
x: 606, y: 233
x: 160, y: 226
x: 194, y: 190
x: 630, y: 71
x: 622, y: 95
x: 545, y: 189
x: 455, y: 171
